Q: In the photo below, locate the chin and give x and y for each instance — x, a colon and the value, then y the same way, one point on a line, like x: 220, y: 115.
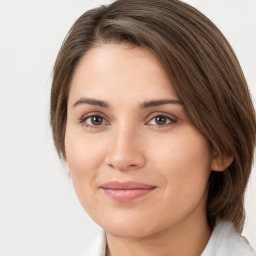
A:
x: 128, y: 232
x: 129, y: 228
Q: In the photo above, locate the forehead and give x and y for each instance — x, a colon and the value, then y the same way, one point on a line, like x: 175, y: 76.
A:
x: 120, y: 70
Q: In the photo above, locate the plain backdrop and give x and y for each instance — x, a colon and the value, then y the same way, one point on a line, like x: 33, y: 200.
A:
x: 39, y: 212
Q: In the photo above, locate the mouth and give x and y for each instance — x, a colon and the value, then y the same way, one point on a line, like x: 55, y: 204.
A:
x: 126, y: 191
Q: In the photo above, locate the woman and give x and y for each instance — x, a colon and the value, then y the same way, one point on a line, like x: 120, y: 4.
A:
x: 152, y: 114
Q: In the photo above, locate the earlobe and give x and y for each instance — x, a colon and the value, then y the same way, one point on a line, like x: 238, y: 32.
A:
x: 220, y: 164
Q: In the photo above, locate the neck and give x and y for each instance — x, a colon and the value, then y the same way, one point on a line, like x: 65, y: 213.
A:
x: 188, y: 238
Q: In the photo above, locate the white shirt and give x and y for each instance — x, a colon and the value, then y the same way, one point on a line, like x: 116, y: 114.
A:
x: 224, y: 241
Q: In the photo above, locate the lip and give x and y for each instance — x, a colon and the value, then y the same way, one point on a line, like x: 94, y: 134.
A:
x: 126, y: 191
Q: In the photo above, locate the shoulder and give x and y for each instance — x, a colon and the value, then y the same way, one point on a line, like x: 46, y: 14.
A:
x: 226, y: 241
x: 97, y: 247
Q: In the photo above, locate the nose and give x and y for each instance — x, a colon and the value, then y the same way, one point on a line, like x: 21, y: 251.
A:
x: 125, y: 150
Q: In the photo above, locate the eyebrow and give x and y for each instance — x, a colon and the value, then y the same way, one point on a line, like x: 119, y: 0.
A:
x: 155, y: 103
x: 146, y: 104
x: 93, y: 102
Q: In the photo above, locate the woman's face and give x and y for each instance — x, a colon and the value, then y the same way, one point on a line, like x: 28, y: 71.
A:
x: 137, y: 163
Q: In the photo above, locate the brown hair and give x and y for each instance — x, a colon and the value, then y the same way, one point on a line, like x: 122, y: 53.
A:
x: 202, y: 68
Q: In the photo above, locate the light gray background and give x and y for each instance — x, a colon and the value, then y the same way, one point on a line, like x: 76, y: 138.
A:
x: 39, y: 212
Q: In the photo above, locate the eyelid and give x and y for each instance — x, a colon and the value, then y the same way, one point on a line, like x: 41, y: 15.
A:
x: 164, y: 114
x: 91, y: 114
x: 82, y: 120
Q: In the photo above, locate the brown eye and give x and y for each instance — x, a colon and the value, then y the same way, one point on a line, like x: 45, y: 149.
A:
x: 161, y: 120
x: 96, y: 120
x: 93, y: 121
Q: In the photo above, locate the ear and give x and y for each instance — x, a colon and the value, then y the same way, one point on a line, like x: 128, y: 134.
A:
x: 220, y: 164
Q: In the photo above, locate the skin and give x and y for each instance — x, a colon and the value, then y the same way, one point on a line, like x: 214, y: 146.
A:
x: 128, y: 143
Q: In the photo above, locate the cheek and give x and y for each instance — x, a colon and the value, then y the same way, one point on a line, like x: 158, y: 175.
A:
x: 84, y: 156
x: 83, y: 153
x: 183, y: 159
x: 184, y: 146
x: 184, y: 164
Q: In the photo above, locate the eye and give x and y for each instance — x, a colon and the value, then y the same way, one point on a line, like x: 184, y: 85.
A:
x: 93, y: 121
x: 161, y: 120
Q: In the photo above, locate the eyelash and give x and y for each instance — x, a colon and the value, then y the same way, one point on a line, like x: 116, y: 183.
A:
x: 171, y: 119
x: 86, y: 117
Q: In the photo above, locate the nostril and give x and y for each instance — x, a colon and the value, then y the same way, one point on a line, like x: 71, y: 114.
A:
x: 122, y: 164
x: 132, y: 165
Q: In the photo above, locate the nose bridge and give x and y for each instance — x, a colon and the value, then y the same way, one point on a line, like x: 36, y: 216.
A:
x: 125, y: 149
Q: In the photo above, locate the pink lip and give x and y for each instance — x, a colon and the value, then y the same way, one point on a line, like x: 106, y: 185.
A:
x: 126, y: 191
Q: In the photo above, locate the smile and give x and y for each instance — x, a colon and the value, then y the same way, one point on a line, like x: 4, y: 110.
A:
x: 126, y: 191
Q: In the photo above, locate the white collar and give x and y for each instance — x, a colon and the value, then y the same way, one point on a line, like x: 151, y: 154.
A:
x: 224, y: 241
